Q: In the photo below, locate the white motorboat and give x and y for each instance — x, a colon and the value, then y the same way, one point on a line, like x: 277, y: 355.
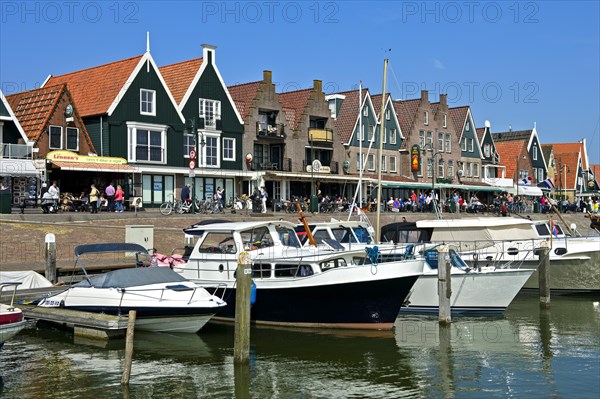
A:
x: 513, y: 243
x: 11, y: 317
x: 164, y: 300
x: 474, y: 290
x: 297, y: 286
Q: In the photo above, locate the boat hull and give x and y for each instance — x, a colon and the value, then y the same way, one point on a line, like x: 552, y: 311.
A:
x: 11, y: 322
x: 472, y: 293
x: 358, y: 305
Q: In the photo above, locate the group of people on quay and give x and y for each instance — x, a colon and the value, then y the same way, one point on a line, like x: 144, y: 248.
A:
x: 110, y: 199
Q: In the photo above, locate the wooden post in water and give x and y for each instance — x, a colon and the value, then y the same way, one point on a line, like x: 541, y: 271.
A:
x: 50, y: 241
x: 129, y: 347
x: 444, y: 285
x: 243, y: 281
x: 543, y: 274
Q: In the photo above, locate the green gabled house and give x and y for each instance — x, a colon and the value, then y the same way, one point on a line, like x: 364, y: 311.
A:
x: 130, y: 113
x: 212, y: 126
x: 470, y: 165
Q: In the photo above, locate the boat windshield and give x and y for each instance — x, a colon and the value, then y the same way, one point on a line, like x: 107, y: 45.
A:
x: 288, y: 237
x: 343, y: 235
x: 363, y: 235
x: 257, y: 238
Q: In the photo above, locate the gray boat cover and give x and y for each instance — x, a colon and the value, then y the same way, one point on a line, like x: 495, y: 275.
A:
x: 125, y: 278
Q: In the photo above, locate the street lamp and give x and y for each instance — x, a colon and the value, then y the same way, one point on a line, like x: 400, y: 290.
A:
x: 195, y: 133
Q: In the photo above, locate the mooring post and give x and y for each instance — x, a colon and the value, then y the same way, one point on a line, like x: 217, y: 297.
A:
x: 444, y: 285
x: 243, y: 281
x: 543, y: 274
x: 129, y: 347
x: 50, y: 241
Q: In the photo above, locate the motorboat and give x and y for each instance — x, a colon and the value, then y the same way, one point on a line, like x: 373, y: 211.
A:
x: 11, y: 317
x: 513, y: 243
x: 482, y: 290
x: 474, y: 290
x: 163, y: 299
x: 297, y: 286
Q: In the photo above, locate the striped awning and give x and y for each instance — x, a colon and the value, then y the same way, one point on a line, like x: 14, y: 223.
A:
x: 94, y: 167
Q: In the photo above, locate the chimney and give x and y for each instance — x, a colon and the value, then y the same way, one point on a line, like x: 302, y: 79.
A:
x: 318, y: 85
x: 443, y: 102
x: 208, y: 53
x: 424, y: 95
x: 267, y: 76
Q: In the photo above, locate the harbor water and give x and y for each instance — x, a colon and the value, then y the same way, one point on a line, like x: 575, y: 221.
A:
x: 527, y: 352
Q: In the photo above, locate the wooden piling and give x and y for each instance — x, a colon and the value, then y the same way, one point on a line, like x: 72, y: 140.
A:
x: 129, y: 348
x: 243, y: 281
x: 50, y: 241
x: 543, y: 274
x: 444, y: 285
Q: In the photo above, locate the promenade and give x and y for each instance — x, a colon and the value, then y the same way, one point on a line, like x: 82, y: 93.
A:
x: 22, y: 235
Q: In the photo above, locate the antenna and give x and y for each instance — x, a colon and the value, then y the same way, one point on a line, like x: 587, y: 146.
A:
x: 147, y: 42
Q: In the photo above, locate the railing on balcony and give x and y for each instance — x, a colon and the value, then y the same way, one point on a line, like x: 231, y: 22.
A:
x: 320, y: 135
x: 16, y: 151
x: 284, y: 166
x: 264, y: 130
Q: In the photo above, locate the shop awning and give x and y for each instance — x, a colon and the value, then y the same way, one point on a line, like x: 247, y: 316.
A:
x: 18, y: 167
x: 94, y: 167
x: 532, y: 191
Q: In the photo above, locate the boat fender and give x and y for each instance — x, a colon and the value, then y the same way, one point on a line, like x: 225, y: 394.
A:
x: 252, y: 293
x: 372, y: 254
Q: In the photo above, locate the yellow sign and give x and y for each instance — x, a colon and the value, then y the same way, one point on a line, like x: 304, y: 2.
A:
x: 69, y: 156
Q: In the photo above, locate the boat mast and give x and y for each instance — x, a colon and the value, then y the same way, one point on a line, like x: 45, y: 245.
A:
x: 381, y: 132
x: 360, y: 137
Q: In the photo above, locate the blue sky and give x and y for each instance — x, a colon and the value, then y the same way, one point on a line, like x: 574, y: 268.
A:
x: 514, y: 63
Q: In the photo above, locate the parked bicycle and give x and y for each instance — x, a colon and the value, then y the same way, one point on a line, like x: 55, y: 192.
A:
x: 177, y: 206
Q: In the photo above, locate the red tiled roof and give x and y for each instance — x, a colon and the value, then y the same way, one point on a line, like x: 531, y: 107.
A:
x: 95, y: 89
x: 347, y: 114
x: 406, y: 111
x: 376, y: 100
x: 596, y: 171
x: 243, y: 95
x: 179, y: 76
x: 294, y: 104
x: 33, y: 108
x: 567, y: 154
x: 480, y: 132
x: 508, y: 152
x: 458, y: 116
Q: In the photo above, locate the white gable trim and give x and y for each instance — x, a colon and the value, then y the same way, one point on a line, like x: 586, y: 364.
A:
x: 393, y: 111
x: 146, y: 58
x: 46, y: 81
x: 534, y: 134
x: 474, y: 132
x: 367, y: 97
x: 13, y: 117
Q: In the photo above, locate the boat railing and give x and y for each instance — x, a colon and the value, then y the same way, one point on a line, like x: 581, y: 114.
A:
x: 14, y: 286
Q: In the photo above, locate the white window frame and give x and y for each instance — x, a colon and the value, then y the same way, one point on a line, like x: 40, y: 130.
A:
x: 365, y: 111
x: 475, y: 170
x: 393, y: 133
x: 471, y: 147
x: 393, y: 163
x: 50, y: 137
x: 540, y: 175
x: 441, y: 168
x: 426, y: 118
x: 217, y: 137
x: 429, y: 139
x: 384, y: 163
x: 186, y: 145
x: 372, y: 133
x: 362, y: 132
x: 468, y: 170
x: 535, y: 152
x: 421, y: 138
x: 464, y: 144
x: 76, y: 149
x: 448, y: 139
x: 429, y: 167
x: 202, y: 112
x: 231, y: 140
x: 152, y: 103
x: 387, y: 114
x: 385, y: 136
x: 487, y: 150
x: 467, y: 127
x: 132, y: 128
x: 444, y: 121
x: 451, y: 168
x: 358, y: 163
x: 440, y: 139
x: 371, y: 162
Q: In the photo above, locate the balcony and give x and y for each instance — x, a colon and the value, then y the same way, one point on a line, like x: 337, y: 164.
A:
x: 285, y: 166
x: 264, y: 130
x: 320, y: 135
x: 16, y: 151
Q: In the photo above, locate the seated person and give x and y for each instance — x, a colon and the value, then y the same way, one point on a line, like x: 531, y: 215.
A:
x: 48, y: 203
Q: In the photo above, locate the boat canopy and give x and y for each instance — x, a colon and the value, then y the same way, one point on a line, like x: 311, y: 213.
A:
x: 125, y: 278
x: 109, y: 247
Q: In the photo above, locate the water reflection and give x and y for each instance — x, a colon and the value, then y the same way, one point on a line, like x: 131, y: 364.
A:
x: 528, y: 352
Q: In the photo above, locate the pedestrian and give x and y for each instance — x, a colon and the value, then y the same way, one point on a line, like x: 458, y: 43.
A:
x: 263, y: 197
x: 110, y: 196
x: 185, y: 193
x: 3, y: 186
x: 94, y: 196
x: 54, y: 192
x: 119, y: 199
x: 220, y: 195
x: 44, y: 189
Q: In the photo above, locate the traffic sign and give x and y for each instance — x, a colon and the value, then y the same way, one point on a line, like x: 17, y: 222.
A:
x: 192, y: 164
x: 192, y: 154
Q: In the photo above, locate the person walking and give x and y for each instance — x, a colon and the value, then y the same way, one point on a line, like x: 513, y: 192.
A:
x: 119, y: 199
x: 263, y: 197
x: 185, y: 193
x: 54, y: 192
x: 94, y: 196
x: 110, y: 196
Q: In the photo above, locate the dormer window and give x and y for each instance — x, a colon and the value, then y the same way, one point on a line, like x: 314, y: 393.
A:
x: 210, y: 110
x: 426, y: 118
x: 147, y: 102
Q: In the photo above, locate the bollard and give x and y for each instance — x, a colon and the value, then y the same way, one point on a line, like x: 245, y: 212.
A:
x: 129, y: 347
x: 243, y: 281
x: 444, y: 285
x: 50, y: 241
x: 543, y: 274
